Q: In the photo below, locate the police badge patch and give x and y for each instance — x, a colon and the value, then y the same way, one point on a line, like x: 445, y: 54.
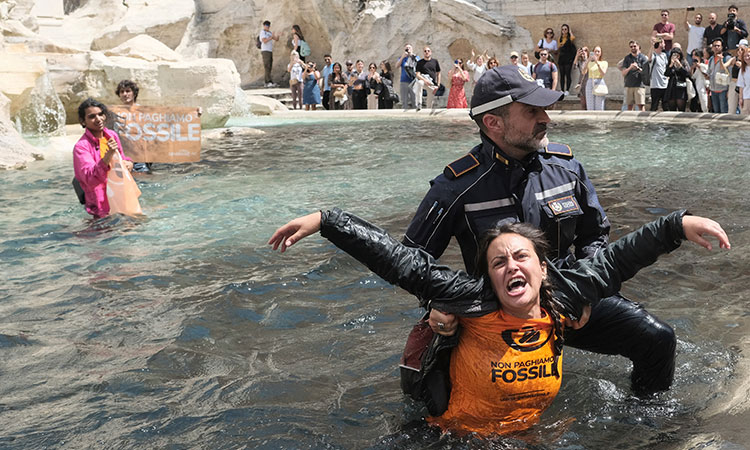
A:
x: 563, y: 205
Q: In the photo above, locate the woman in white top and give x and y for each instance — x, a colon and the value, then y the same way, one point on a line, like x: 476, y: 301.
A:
x: 526, y: 64
x: 699, y: 70
x: 476, y: 65
x: 743, y: 82
x: 549, y: 42
x: 295, y: 69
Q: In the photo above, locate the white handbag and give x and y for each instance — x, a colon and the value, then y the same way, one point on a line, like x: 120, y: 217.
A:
x: 600, y: 88
x: 690, y: 90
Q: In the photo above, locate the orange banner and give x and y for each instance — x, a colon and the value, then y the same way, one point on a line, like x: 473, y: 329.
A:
x: 158, y: 134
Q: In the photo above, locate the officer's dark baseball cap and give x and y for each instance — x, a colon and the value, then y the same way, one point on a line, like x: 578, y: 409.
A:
x: 507, y: 84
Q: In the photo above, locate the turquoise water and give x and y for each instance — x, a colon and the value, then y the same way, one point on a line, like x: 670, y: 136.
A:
x: 182, y: 330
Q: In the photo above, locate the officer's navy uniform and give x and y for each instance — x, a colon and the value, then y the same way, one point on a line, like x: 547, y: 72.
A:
x: 548, y: 189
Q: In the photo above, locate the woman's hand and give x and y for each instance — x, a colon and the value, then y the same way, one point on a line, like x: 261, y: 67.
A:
x: 442, y: 323
x: 112, y: 143
x: 109, y: 154
x: 293, y: 231
x: 695, y: 227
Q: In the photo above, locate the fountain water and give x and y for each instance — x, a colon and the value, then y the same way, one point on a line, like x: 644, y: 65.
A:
x: 43, y: 113
x: 184, y: 329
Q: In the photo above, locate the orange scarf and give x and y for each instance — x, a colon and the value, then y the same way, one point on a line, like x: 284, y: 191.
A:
x: 103, y: 147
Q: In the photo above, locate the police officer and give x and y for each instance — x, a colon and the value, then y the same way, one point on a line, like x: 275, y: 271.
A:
x: 516, y: 174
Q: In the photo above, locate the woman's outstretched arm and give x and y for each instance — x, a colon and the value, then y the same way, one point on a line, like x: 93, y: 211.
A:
x: 603, y: 274
x: 410, y: 268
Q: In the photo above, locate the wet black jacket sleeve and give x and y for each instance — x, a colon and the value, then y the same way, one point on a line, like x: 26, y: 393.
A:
x: 603, y: 275
x: 413, y: 269
x: 457, y: 292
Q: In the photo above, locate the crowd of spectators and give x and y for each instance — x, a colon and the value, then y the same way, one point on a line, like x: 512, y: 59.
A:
x: 709, y: 75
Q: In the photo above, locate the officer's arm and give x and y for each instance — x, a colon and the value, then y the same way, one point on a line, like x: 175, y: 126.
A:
x: 430, y: 229
x: 592, y: 229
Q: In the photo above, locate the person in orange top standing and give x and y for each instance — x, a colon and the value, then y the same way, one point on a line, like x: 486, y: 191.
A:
x: 506, y: 369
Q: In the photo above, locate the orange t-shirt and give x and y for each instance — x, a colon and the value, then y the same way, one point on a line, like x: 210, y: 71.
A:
x: 503, y: 372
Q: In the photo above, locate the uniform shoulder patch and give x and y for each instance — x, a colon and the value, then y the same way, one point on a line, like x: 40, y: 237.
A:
x: 554, y: 148
x: 461, y: 166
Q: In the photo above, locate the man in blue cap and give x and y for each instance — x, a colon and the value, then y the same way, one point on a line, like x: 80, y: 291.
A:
x: 516, y: 174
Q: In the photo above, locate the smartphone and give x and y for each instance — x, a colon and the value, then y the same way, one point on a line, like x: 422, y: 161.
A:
x: 454, y: 62
x: 691, y: 8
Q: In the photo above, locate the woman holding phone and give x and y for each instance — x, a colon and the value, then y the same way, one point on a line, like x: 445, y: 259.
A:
x: 311, y: 90
x: 596, y: 88
x: 678, y: 76
x: 459, y: 76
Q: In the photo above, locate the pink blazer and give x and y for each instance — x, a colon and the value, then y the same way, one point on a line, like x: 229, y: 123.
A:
x: 91, y: 171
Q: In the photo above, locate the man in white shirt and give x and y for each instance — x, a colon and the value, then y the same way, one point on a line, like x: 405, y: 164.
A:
x: 327, y: 71
x: 695, y: 35
x: 657, y: 57
x: 266, y: 50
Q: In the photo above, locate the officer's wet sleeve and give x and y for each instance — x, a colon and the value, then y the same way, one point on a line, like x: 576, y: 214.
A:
x: 592, y: 229
x: 413, y: 269
x: 588, y: 280
x: 432, y: 225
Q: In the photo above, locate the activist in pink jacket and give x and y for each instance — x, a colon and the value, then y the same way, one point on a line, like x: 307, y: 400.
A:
x: 90, y: 166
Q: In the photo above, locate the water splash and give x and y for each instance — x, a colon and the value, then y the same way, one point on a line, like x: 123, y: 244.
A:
x: 43, y: 113
x: 241, y: 107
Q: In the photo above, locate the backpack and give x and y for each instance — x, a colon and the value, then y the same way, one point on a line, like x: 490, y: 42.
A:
x: 304, y: 49
x: 411, y: 66
x: 646, y: 73
x: 79, y: 191
x: 536, y: 54
x: 387, y: 91
x: 258, y: 43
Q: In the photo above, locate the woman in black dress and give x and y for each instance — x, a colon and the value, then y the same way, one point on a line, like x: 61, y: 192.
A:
x: 678, y: 74
x: 386, y: 78
x: 567, y: 54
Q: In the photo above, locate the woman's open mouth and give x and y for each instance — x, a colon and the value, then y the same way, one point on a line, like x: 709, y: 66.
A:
x: 516, y: 286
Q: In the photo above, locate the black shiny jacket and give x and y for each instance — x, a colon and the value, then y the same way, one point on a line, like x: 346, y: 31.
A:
x: 549, y: 189
x: 457, y: 292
